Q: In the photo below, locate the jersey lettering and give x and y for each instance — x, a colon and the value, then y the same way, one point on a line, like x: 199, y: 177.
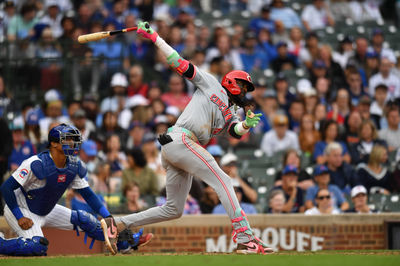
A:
x: 226, y: 112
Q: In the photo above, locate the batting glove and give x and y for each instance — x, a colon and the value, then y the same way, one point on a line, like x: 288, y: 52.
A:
x: 252, y: 119
x: 146, y: 31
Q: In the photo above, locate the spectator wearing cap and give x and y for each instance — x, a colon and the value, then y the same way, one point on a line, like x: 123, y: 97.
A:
x: 392, y: 133
x: 374, y: 175
x: 310, y: 100
x: 359, y: 197
x: 136, y: 107
x: 253, y: 59
x: 293, y: 193
x: 22, y: 148
x: 341, y: 173
x: 378, y: 105
x: 286, y: 15
x: 176, y: 95
x: 284, y: 60
x: 340, y: 107
x: 385, y: 76
x: 216, y: 151
x: 324, y: 204
x: 139, y: 172
x: 263, y: 21
x: 115, y: 102
x: 316, y: 16
x: 280, y: 138
x: 248, y: 208
x: 364, y: 107
x: 372, y: 65
x: 265, y: 43
x: 377, y: 41
x: 284, y: 96
x: 345, y: 50
x: 318, y: 69
x: 369, y: 137
x: 21, y: 25
x: 322, y: 181
x: 229, y: 164
x: 136, y: 83
x: 355, y: 86
x: 329, y: 134
x: 292, y: 157
x: 53, y: 17
x: 88, y: 155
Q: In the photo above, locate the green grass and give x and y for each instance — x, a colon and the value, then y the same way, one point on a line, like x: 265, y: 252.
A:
x: 342, y: 258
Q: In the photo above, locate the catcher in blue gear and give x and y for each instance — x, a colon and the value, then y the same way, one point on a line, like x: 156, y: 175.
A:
x: 31, y: 194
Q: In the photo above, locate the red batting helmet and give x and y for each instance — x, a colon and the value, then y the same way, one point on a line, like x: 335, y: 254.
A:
x: 229, y: 81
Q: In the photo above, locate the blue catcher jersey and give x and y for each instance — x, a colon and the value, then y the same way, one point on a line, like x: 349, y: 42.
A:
x: 43, y: 183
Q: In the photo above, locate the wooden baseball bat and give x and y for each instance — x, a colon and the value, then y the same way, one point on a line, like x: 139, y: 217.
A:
x: 101, y: 35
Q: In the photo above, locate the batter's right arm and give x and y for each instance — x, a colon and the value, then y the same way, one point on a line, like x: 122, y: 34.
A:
x: 181, y: 65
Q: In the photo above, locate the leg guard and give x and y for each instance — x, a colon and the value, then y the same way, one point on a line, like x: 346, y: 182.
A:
x: 128, y: 241
x: 37, y: 246
x: 89, y: 224
x: 241, y: 227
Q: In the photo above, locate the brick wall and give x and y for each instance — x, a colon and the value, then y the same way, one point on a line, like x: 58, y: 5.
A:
x: 213, y: 233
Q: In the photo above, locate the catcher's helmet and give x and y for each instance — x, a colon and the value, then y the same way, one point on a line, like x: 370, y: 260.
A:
x: 68, y: 136
x: 233, y: 82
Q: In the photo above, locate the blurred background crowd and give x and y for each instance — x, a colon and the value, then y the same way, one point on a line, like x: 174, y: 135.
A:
x: 327, y: 78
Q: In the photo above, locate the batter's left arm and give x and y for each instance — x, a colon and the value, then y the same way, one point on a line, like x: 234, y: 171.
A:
x: 237, y: 130
x: 178, y: 63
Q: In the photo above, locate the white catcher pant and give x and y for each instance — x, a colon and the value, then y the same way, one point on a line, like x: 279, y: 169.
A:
x: 59, y: 217
x: 183, y: 158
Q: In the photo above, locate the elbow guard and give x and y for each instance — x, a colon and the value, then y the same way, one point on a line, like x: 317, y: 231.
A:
x: 181, y: 65
x: 232, y: 131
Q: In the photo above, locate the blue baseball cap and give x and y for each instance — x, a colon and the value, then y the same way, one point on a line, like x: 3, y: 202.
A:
x: 319, y: 64
x: 215, y: 150
x: 372, y: 54
x: 320, y: 170
x: 32, y: 117
x: 290, y: 169
x: 89, y: 147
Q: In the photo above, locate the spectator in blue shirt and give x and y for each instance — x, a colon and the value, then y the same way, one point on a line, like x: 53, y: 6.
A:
x: 322, y: 179
x: 22, y: 148
x: 293, y: 193
x: 264, y: 21
x: 341, y: 173
x: 285, y: 14
x: 253, y: 58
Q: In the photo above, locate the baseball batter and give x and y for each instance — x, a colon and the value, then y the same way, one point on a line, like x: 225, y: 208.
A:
x: 32, y: 192
x: 210, y: 112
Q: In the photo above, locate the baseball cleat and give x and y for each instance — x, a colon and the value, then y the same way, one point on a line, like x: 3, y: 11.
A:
x: 144, y: 240
x: 253, y: 247
x: 110, y: 234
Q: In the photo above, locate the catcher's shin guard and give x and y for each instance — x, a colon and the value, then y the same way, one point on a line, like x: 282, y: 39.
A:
x: 89, y: 224
x: 35, y: 246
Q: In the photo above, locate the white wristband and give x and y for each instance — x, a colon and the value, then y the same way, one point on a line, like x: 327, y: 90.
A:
x: 240, y: 130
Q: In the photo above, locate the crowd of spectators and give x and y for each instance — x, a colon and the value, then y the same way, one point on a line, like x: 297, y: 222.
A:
x: 342, y: 114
